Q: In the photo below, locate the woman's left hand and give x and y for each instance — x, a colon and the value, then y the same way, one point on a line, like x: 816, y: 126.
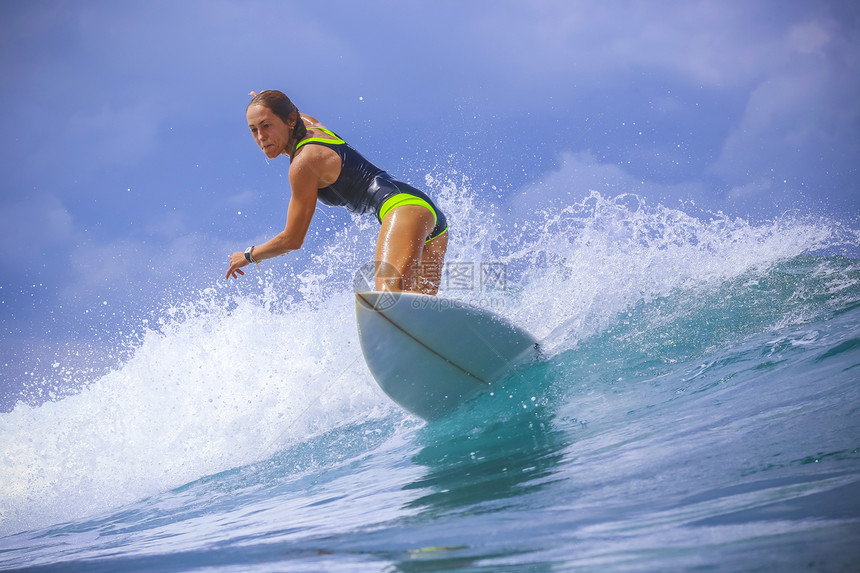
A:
x: 237, y: 261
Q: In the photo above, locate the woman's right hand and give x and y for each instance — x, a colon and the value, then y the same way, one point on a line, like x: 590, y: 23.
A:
x: 237, y: 260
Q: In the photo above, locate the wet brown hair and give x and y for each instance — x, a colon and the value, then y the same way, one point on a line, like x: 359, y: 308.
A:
x: 279, y: 104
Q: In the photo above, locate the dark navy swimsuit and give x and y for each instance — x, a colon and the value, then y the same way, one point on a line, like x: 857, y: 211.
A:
x: 363, y: 187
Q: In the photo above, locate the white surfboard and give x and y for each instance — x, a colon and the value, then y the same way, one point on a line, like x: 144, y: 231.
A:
x: 430, y: 354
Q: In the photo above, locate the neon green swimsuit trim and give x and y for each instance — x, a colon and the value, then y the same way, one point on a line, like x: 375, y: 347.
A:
x: 433, y: 237
x: 402, y: 199
x: 335, y: 141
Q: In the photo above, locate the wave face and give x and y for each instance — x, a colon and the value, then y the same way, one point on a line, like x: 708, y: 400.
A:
x: 697, y: 405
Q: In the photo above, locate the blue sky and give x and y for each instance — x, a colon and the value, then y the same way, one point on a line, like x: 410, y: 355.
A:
x: 126, y: 162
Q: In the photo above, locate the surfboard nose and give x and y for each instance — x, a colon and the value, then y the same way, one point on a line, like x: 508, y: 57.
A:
x: 381, y: 301
x: 430, y: 354
x: 367, y: 298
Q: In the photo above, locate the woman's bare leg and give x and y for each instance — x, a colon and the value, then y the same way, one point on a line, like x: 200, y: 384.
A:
x: 432, y: 261
x: 400, y: 246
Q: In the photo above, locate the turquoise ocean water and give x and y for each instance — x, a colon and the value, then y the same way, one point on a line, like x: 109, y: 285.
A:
x: 697, y: 408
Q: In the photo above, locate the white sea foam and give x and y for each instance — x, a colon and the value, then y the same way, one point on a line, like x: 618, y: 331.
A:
x: 587, y: 262
x: 227, y: 377
x: 211, y: 390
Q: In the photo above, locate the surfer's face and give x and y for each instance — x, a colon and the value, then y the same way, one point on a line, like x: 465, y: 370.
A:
x: 268, y: 130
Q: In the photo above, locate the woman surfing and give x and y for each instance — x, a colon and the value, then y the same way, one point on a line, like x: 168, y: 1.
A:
x: 413, y: 238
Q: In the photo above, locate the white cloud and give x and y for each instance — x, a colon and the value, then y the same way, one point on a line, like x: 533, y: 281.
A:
x: 576, y: 176
x: 36, y: 223
x: 713, y: 43
x: 45, y: 234
x: 168, y: 226
x: 753, y: 188
x: 138, y: 272
x: 801, y: 113
x: 808, y: 38
x: 116, y: 134
x: 580, y: 173
x: 243, y: 198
